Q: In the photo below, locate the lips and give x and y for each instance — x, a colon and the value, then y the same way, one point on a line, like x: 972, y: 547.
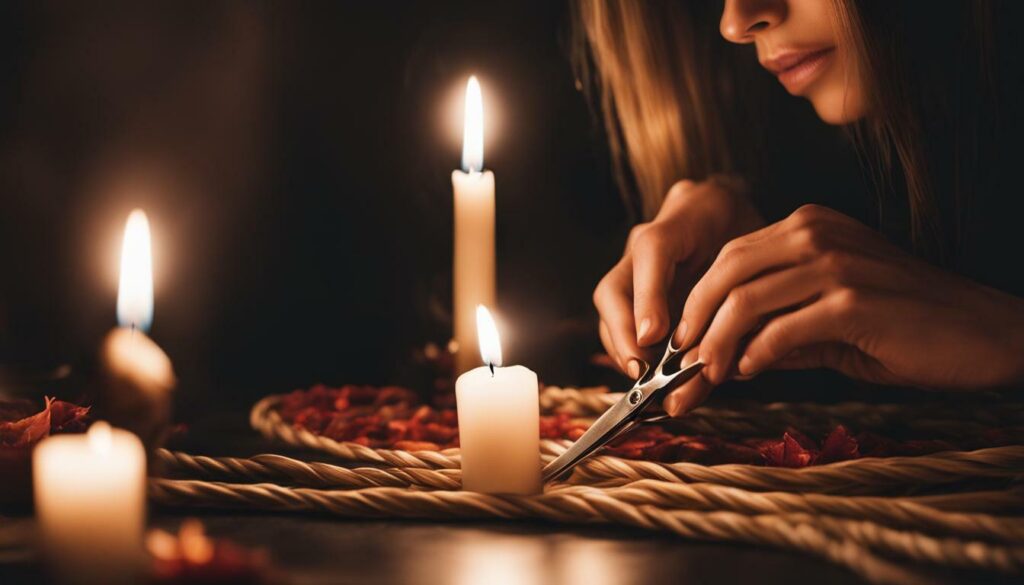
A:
x: 797, y: 69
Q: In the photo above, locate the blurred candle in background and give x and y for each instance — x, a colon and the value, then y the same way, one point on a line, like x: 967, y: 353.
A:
x: 473, y: 271
x: 499, y: 421
x: 91, y: 504
x: 138, y: 375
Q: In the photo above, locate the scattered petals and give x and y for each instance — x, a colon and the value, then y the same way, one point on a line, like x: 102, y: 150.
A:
x: 21, y: 429
x: 393, y: 418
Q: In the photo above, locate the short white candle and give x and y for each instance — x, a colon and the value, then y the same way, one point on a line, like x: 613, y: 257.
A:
x: 473, y: 269
x: 91, y: 504
x: 499, y: 421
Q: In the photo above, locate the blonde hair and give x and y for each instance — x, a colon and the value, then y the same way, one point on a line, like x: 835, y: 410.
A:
x: 679, y: 102
x: 662, y: 95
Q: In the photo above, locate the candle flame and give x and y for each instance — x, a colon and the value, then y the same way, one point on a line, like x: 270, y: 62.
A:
x: 473, y: 129
x: 487, y: 334
x: 100, y: 437
x: 135, y: 292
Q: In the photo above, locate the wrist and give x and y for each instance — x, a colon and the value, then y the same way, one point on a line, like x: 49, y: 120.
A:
x: 724, y: 205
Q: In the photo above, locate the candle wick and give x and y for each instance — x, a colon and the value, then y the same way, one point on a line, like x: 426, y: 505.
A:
x: 133, y: 329
x: 491, y: 365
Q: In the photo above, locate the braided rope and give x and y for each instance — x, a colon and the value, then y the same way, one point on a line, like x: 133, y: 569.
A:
x: 269, y: 467
x: 738, y: 503
x: 944, y: 513
x: 842, y: 540
x: 857, y: 476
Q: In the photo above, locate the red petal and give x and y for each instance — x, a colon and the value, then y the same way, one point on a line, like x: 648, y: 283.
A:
x: 838, y: 446
x: 66, y: 417
x: 787, y: 453
x: 27, y: 431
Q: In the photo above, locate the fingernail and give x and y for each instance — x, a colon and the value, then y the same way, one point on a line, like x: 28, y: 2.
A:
x: 746, y: 366
x: 633, y: 368
x: 681, y: 334
x: 641, y: 332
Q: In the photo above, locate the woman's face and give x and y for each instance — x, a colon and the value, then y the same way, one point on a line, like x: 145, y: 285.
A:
x: 797, y: 42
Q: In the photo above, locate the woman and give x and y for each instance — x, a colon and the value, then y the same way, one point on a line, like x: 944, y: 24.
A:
x: 919, y: 87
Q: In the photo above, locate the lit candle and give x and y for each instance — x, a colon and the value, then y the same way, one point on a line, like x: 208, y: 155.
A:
x: 499, y: 421
x: 91, y: 505
x: 136, y: 392
x: 473, y: 271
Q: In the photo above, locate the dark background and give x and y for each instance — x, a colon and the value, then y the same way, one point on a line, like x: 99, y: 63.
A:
x: 295, y: 160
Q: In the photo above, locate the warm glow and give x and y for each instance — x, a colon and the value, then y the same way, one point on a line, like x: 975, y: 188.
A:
x: 135, y: 292
x: 100, y: 438
x: 161, y: 545
x: 487, y: 334
x: 473, y: 129
x: 196, y: 548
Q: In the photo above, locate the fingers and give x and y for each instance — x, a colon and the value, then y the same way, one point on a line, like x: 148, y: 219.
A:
x: 832, y: 318
x: 739, y: 261
x: 654, y: 260
x: 689, y: 395
x: 801, y: 237
x: 747, y: 306
x: 613, y: 299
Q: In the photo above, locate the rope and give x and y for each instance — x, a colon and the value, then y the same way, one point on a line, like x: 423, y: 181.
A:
x: 858, y: 476
x: 270, y: 467
x: 853, y: 543
x: 943, y: 513
x: 833, y: 511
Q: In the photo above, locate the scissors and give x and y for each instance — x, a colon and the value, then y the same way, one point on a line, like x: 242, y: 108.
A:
x: 650, y: 388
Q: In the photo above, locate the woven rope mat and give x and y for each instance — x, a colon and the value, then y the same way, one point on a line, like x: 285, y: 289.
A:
x: 891, y: 520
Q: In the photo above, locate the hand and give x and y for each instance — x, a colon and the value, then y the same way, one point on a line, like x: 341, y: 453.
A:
x: 819, y: 289
x: 661, y: 257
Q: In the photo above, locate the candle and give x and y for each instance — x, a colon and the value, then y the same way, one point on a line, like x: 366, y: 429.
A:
x: 139, y: 377
x: 499, y: 421
x: 473, y: 270
x: 91, y: 505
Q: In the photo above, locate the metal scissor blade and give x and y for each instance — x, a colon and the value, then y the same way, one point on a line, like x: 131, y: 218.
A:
x: 604, y: 429
x: 620, y: 417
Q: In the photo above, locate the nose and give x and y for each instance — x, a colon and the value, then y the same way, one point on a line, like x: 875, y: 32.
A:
x: 742, y: 20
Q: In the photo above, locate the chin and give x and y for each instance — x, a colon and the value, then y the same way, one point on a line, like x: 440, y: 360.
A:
x: 837, y: 106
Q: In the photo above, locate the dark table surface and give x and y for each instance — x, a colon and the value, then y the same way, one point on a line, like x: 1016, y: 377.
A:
x: 312, y: 550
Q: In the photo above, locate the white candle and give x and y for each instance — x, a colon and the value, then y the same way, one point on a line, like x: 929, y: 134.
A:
x: 473, y: 270
x: 499, y: 421
x: 91, y: 504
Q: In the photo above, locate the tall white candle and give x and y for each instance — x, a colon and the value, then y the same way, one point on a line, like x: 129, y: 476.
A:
x: 473, y: 270
x: 91, y: 504
x: 499, y: 421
